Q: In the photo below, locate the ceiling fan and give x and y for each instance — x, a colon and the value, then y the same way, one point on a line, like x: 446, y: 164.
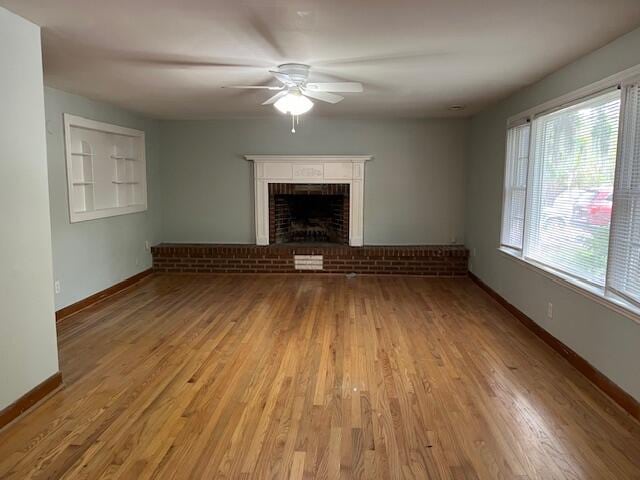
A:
x: 295, y: 91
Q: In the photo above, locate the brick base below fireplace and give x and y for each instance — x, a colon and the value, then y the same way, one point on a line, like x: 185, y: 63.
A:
x: 434, y: 261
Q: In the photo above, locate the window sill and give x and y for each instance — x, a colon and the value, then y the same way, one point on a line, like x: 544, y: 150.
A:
x: 596, y: 294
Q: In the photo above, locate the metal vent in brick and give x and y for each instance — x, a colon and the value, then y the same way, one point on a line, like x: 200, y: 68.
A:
x: 307, y: 262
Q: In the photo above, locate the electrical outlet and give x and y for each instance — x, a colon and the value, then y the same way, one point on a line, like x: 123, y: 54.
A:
x: 56, y: 286
x: 147, y: 246
x: 549, y: 310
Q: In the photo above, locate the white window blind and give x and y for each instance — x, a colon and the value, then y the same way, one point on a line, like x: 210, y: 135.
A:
x: 624, y: 265
x: 515, y: 186
x: 571, y: 187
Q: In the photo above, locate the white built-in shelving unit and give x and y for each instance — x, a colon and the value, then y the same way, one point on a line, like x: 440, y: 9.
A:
x: 106, y: 169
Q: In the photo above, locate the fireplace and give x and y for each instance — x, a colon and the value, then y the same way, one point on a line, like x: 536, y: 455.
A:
x: 319, y: 175
x: 308, y: 213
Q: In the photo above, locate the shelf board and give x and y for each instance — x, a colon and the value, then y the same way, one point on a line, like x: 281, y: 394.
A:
x: 125, y: 183
x: 83, y: 154
x: 83, y: 183
x: 132, y: 205
x: 118, y: 157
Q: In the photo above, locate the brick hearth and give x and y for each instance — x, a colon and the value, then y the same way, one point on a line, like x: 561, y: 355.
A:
x: 435, y: 261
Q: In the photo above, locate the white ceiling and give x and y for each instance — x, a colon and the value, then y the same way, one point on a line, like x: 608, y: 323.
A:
x: 169, y: 58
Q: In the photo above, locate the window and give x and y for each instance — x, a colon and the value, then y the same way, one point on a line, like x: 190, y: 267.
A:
x: 624, y: 267
x: 573, y: 170
x: 572, y: 192
x: 515, y: 185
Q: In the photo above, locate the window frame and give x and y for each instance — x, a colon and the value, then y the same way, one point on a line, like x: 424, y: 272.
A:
x: 506, y: 191
x: 537, y: 175
x: 602, y: 295
x: 610, y: 288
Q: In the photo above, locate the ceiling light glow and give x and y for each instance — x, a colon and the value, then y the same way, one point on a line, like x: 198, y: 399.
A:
x: 294, y: 103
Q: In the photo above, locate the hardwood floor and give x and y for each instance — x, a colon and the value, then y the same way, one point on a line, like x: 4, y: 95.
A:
x: 314, y: 377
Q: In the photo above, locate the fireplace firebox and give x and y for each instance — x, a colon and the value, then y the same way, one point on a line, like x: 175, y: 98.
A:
x: 308, y: 213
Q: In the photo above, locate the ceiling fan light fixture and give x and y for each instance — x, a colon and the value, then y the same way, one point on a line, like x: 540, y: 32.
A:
x: 294, y: 103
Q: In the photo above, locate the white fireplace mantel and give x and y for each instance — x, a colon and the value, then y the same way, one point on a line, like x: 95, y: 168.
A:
x: 347, y: 169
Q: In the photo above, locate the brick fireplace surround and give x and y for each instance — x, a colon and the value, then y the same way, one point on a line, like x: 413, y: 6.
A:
x: 432, y: 261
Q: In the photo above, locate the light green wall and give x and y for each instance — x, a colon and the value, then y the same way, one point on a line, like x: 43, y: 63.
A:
x: 28, y: 349
x: 607, y: 340
x: 414, y: 188
x: 93, y: 255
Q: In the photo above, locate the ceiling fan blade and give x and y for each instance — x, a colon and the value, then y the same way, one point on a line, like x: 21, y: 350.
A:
x: 323, y: 96
x: 254, y: 87
x: 380, y: 59
x: 349, y: 87
x: 275, y: 98
x: 283, y: 77
x: 180, y: 63
x: 259, y: 23
x: 175, y: 61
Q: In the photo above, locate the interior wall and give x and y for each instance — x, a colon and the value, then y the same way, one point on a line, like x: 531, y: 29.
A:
x: 93, y: 255
x: 414, y: 186
x: 606, y: 339
x: 28, y: 348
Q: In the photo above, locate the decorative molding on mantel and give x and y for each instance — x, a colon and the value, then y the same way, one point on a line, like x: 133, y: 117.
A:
x: 347, y: 169
x: 309, y: 158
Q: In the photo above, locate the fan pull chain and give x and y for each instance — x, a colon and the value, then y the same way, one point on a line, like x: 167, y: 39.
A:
x: 293, y: 123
